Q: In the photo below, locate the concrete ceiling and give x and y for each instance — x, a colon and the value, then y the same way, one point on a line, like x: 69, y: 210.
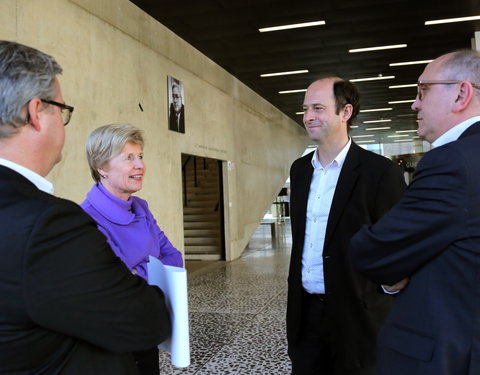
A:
x: 227, y: 32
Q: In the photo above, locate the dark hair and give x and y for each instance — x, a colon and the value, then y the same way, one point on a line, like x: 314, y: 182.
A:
x: 345, y: 92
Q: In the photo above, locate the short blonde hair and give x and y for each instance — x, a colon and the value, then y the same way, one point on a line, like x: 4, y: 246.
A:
x: 106, y: 142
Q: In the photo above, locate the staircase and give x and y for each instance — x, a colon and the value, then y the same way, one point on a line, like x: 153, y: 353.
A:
x: 202, y: 219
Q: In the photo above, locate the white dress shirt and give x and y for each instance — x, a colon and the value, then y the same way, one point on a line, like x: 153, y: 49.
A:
x: 322, y: 189
x: 455, y: 132
x: 40, y: 182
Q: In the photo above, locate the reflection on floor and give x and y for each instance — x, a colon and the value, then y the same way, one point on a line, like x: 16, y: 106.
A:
x: 237, y: 311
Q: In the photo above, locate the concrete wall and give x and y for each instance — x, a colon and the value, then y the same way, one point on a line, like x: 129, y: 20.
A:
x: 116, y: 57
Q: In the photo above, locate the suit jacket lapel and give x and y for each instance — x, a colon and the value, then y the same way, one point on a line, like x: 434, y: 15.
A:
x: 345, y: 185
x: 304, y: 189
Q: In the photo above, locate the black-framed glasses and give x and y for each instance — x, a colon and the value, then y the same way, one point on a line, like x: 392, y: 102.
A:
x: 423, y: 85
x: 66, y: 110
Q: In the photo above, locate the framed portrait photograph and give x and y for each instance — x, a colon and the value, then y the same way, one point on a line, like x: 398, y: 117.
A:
x: 176, y: 108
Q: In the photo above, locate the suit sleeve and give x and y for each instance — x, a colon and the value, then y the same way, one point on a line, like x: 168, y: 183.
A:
x: 75, y: 285
x: 425, y: 222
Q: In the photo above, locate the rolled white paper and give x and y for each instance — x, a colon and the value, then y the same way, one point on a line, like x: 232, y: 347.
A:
x: 173, y: 282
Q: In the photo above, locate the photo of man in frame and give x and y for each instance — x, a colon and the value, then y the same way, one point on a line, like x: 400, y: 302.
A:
x: 176, y: 112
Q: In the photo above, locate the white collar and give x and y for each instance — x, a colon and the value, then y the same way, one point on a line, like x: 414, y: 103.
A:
x: 454, y: 133
x: 40, y: 182
x: 340, y: 158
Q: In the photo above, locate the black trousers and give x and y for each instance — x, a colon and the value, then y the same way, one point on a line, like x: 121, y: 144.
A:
x: 147, y: 361
x: 313, y: 353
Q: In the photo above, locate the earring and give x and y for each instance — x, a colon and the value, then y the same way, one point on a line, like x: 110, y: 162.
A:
x: 103, y: 176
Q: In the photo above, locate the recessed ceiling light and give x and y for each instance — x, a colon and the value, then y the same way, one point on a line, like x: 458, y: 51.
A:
x: 299, y: 113
x: 411, y: 63
x: 363, y: 136
x: 406, y: 131
x: 291, y: 91
x: 371, y: 78
x: 401, y: 101
x: 376, y: 109
x: 368, y: 49
x: 450, y: 20
x: 398, y: 135
x: 284, y: 73
x: 291, y: 26
x: 375, y: 121
x: 367, y: 141
x: 403, y: 140
x: 381, y: 128
x: 353, y: 126
x: 402, y: 86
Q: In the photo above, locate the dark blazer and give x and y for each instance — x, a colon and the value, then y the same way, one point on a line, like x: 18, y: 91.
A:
x: 433, y: 237
x: 69, y: 305
x: 368, y: 186
x: 172, y: 120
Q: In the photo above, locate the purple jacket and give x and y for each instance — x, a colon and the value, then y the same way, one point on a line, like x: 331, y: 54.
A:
x: 131, y: 230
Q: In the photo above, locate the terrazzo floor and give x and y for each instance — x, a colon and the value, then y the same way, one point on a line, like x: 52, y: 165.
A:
x: 237, y: 311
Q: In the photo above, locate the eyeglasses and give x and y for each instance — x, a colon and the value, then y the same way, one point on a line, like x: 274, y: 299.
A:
x: 423, y: 85
x: 66, y: 110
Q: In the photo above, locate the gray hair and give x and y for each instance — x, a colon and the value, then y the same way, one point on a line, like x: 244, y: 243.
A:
x: 25, y: 73
x: 106, y: 142
x: 462, y: 65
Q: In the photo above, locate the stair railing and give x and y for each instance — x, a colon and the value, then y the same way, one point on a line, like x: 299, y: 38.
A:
x: 184, y: 172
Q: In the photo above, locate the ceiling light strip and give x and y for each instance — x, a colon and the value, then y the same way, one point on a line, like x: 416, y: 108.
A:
x: 402, y: 86
x: 411, y: 63
x: 401, y: 101
x: 376, y: 121
x: 376, y: 109
x: 379, y: 48
x: 291, y: 26
x: 363, y: 136
x: 284, y: 73
x: 371, y: 78
x: 381, y: 128
x: 450, y: 20
x: 406, y: 131
x: 291, y: 91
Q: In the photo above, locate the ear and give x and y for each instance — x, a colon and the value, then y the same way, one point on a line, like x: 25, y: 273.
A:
x: 347, y: 112
x: 464, y: 97
x: 101, y: 171
x: 34, y: 108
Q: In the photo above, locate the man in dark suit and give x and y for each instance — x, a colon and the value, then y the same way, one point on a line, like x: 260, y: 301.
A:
x: 333, y: 313
x: 176, y: 120
x: 69, y: 305
x: 432, y: 236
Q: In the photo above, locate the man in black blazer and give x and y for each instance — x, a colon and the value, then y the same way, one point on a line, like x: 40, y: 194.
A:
x: 333, y: 313
x: 69, y: 305
x: 432, y: 236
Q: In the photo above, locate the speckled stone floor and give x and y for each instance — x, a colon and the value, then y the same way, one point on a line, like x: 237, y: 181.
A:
x: 237, y: 311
